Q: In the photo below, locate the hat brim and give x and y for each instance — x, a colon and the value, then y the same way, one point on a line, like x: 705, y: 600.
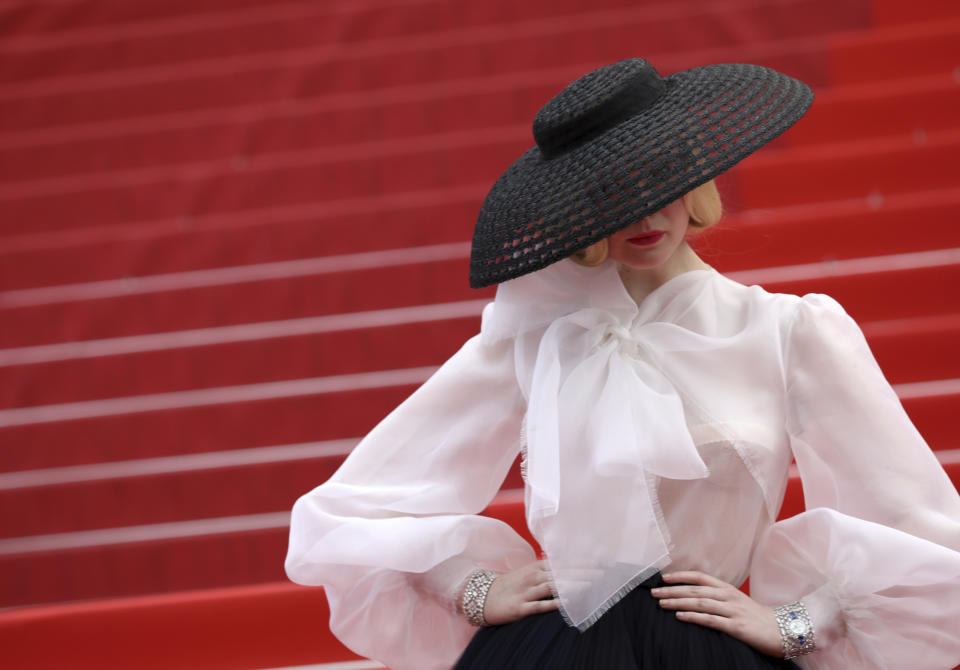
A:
x: 708, y: 119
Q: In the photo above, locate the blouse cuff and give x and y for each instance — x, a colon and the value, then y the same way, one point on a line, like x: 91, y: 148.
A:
x: 444, y: 582
x: 877, y: 597
x: 826, y: 616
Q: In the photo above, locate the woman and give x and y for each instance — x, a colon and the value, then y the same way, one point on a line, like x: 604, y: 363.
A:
x: 657, y: 406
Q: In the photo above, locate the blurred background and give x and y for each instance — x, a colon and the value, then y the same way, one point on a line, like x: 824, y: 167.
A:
x: 234, y: 234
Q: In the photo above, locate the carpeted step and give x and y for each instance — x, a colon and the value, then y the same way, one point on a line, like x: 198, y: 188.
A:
x: 914, y: 106
x: 256, y: 626
x: 288, y: 290
x: 327, y: 408
x: 881, y: 293
x: 66, y: 19
x: 72, y: 566
x: 194, y: 561
x: 220, y: 552
x: 376, y: 280
x: 50, y: 40
x: 896, y: 52
x: 411, y: 165
x: 129, y: 493
x: 314, y: 347
x: 332, y: 407
x: 777, y: 236
x: 266, y: 30
x: 333, y: 345
x: 264, y: 479
x: 219, y: 484
x: 781, y: 34
x: 897, y: 13
x: 266, y: 625
x: 602, y: 37
x: 923, y: 104
x: 876, y: 225
x: 915, y: 350
x: 334, y: 414
x: 271, y: 624
x: 277, y: 180
x: 852, y: 170
x: 228, y: 239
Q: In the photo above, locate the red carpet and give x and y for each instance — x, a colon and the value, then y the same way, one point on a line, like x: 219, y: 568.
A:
x: 193, y: 333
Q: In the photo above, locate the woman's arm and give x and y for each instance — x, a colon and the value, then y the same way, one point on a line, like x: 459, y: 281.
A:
x: 392, y: 534
x: 876, y: 558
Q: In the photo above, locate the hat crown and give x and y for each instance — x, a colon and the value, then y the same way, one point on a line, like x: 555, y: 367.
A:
x: 594, y: 103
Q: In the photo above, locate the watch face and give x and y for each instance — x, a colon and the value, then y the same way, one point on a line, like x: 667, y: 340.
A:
x: 798, y: 627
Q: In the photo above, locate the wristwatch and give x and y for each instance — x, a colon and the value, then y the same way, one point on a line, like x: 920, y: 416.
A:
x: 796, y: 630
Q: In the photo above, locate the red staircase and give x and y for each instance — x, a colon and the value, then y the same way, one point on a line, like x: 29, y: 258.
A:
x: 234, y: 235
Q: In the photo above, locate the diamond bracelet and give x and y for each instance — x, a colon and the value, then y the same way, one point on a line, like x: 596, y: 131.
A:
x: 475, y: 596
x: 796, y: 629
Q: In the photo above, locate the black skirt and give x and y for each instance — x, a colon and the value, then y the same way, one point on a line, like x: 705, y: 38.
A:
x: 636, y: 633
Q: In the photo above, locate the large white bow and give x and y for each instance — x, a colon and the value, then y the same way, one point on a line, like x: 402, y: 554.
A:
x: 598, y: 396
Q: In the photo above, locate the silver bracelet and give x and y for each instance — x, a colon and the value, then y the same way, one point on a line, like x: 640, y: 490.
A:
x: 796, y: 629
x: 475, y: 596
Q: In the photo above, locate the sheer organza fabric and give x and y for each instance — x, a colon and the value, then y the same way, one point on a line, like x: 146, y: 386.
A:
x: 657, y: 436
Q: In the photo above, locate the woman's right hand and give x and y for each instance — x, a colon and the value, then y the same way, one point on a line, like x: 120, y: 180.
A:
x: 519, y: 593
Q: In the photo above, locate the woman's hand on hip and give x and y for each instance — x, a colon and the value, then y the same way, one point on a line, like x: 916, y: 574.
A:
x: 705, y: 600
x: 519, y: 593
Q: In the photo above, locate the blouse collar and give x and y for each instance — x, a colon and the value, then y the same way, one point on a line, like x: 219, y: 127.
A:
x: 535, y: 300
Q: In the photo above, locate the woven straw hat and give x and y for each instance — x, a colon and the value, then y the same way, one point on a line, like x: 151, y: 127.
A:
x: 619, y: 144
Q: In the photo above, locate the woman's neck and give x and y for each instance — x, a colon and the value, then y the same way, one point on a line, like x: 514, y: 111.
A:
x: 641, y: 282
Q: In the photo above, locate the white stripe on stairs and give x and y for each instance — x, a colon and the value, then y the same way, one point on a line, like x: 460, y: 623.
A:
x: 217, y: 525
x: 415, y: 255
x: 139, y: 467
x: 88, y: 409
x: 116, y: 346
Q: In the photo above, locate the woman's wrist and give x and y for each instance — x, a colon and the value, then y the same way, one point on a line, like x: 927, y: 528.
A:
x: 474, y: 596
x: 796, y: 630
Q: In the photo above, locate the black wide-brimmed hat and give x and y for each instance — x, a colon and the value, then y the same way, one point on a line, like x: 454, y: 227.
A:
x: 619, y: 144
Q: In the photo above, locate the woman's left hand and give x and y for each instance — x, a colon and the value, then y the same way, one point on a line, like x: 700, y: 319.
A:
x: 702, y: 599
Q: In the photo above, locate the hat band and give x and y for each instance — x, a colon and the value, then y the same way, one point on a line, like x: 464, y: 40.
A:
x: 630, y: 100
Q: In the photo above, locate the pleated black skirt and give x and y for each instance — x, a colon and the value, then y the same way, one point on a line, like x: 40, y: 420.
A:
x: 635, y: 634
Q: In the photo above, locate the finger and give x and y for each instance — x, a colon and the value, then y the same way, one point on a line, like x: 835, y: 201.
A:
x: 538, y: 592
x: 532, y: 579
x: 701, y: 605
x: 539, y: 606
x: 720, y: 623
x: 687, y: 591
x: 694, y: 577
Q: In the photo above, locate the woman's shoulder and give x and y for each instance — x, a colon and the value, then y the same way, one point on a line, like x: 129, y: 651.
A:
x: 810, y: 317
x: 791, y: 305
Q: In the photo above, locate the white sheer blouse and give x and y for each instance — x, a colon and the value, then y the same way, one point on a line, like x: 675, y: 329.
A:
x: 654, y: 436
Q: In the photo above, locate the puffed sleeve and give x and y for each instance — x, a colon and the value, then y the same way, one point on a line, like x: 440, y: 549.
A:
x: 876, y: 556
x: 395, y: 531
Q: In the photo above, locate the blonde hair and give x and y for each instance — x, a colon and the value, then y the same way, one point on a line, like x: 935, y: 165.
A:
x: 703, y: 206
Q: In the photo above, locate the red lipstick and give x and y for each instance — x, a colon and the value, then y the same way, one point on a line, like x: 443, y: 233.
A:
x: 646, y: 239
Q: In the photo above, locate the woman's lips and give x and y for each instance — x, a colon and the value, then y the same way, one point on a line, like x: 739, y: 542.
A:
x: 646, y: 238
